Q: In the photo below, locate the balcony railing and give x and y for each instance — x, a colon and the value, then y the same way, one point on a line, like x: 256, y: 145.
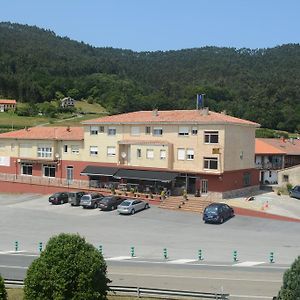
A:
x: 49, y: 181
x: 271, y: 166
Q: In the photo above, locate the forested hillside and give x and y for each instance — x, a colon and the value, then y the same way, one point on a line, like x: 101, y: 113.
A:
x: 262, y: 85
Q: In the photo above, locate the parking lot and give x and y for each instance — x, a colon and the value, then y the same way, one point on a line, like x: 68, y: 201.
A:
x: 30, y: 219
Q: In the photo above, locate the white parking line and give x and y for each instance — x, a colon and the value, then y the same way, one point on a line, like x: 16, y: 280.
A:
x: 120, y: 258
x: 12, y: 252
x: 248, y: 263
x: 180, y: 261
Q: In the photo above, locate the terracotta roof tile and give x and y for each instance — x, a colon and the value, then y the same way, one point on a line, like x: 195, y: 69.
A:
x: 7, y: 101
x: 46, y: 133
x: 277, y: 146
x: 170, y: 116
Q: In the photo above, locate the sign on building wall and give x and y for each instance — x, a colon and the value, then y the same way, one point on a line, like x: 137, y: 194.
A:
x: 5, y: 161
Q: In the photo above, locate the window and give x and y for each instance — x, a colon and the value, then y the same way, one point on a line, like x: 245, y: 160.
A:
x: 93, y: 150
x: 211, y: 163
x: 94, y: 130
x: 75, y: 149
x: 194, y: 130
x: 101, y: 129
x: 26, y: 169
x: 147, y: 130
x: 112, y: 131
x: 183, y: 130
x: 150, y: 153
x: 247, y: 179
x: 163, y: 154
x: 66, y: 148
x: 190, y: 154
x: 211, y: 137
x: 180, y: 154
x: 157, y: 131
x: 135, y: 130
x: 138, y: 153
x: 49, y: 170
x: 111, y: 151
x: 44, y: 151
x: 12, y: 147
x: 285, y: 178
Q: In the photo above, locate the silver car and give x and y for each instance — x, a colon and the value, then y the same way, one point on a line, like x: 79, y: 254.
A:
x: 131, y: 206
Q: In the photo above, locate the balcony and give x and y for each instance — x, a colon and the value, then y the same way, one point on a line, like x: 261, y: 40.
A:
x: 269, y: 166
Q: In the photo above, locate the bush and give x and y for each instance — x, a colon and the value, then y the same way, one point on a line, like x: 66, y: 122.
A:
x: 68, y: 268
x: 3, y: 294
x: 290, y: 289
x: 289, y: 187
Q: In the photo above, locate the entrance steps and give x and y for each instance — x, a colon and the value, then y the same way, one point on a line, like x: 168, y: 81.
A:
x: 193, y: 204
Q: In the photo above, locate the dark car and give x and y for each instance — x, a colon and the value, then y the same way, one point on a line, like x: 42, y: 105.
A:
x: 217, y: 213
x: 59, y: 198
x: 110, y: 202
x: 91, y: 200
x: 295, y: 192
x: 74, y: 198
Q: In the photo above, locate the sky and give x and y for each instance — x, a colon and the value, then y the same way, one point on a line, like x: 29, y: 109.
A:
x: 150, y: 25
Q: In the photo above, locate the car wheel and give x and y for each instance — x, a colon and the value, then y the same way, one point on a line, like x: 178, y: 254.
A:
x: 61, y: 201
x: 112, y: 208
x: 133, y: 212
x: 95, y: 205
x: 221, y: 220
x: 146, y: 206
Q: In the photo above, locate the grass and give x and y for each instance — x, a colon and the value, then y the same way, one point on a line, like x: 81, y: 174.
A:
x: 10, y: 121
x: 17, y: 294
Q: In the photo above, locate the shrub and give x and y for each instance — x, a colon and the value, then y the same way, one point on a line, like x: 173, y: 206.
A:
x: 68, y: 268
x: 289, y: 186
x: 290, y: 289
x: 3, y: 294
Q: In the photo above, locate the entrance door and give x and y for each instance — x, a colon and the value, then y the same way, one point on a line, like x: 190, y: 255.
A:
x: 70, y: 175
x: 204, y: 186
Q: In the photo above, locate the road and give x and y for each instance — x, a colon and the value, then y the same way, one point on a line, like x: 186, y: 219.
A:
x: 241, y: 282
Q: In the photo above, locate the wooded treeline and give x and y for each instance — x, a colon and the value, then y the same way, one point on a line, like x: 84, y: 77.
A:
x: 262, y: 85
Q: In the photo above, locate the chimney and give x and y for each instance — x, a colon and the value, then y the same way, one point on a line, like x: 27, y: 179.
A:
x: 68, y: 129
x: 155, y: 112
x: 224, y: 112
x: 204, y: 111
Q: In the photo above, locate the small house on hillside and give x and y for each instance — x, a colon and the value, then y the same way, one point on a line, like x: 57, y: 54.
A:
x: 6, y: 105
x: 67, y: 102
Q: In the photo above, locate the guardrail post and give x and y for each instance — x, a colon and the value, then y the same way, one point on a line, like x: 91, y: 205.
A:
x: 138, y: 292
x: 235, y: 258
x: 16, y: 246
x: 132, y: 252
x: 100, y: 249
x: 165, y: 253
x: 271, y: 257
x: 40, y: 246
x: 200, y: 254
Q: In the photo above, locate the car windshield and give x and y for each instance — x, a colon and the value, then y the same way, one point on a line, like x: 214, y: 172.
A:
x: 212, y: 209
x: 56, y: 195
x: 126, y: 203
x: 86, y: 197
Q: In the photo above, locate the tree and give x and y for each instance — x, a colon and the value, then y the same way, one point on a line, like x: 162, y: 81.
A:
x: 69, y: 268
x: 3, y: 294
x: 290, y: 289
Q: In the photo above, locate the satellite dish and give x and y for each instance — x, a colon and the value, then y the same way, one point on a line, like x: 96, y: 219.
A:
x: 123, y: 154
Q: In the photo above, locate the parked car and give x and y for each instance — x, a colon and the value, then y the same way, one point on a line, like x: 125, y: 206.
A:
x: 74, y: 198
x: 131, y: 206
x: 91, y: 200
x: 217, y: 213
x: 295, y: 192
x: 110, y: 202
x: 59, y: 198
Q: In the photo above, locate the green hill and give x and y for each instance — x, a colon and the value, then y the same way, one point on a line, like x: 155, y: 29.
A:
x: 262, y: 85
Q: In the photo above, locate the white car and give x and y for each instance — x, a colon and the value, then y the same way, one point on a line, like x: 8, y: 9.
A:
x: 131, y: 206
